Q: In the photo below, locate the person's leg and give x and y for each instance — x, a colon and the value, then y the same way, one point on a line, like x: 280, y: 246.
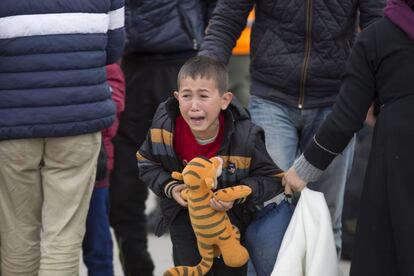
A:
x: 279, y: 124
x: 20, y: 206
x: 68, y: 176
x: 239, y: 77
x: 220, y: 268
x: 97, y: 243
x: 148, y: 83
x: 332, y: 182
x: 185, y: 250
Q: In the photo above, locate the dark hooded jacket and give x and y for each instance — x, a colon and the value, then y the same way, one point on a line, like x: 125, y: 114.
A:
x: 246, y: 161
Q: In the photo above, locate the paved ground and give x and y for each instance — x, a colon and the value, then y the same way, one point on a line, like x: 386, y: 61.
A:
x: 160, y: 249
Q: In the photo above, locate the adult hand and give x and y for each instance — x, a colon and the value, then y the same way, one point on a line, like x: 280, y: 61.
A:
x: 292, y: 182
x: 176, y: 194
x: 221, y: 206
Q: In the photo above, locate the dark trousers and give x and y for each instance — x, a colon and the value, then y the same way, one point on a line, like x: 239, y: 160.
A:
x: 149, y: 81
x: 97, y: 243
x: 185, y: 251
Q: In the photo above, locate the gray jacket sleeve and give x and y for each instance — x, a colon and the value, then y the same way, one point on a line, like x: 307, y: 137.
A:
x: 228, y: 20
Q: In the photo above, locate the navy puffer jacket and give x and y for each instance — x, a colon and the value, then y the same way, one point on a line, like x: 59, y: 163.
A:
x: 298, y: 48
x: 52, y: 66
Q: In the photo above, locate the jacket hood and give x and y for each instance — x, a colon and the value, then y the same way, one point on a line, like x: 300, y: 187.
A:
x: 238, y: 111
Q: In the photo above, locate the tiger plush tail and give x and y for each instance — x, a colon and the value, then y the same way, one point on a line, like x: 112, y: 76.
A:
x: 201, y: 269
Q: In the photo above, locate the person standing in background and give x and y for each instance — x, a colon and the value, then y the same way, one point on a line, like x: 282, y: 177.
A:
x: 239, y: 64
x: 380, y: 68
x: 97, y: 244
x: 161, y: 36
x: 298, y: 54
x: 54, y: 102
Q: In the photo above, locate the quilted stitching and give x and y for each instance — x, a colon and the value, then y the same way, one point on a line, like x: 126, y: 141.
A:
x: 279, y: 57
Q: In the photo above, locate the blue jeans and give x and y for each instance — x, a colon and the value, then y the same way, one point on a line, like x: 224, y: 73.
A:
x: 97, y: 243
x: 288, y: 130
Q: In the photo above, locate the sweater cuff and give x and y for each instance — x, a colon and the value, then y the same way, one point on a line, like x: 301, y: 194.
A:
x: 306, y: 171
x: 318, y: 155
x: 169, y: 187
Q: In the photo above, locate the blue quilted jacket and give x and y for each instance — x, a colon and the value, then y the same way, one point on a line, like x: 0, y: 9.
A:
x: 52, y: 66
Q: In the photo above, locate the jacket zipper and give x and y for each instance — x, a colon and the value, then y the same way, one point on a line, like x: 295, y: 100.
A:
x: 307, y: 53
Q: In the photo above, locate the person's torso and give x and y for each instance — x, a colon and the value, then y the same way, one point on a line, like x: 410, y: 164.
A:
x: 52, y: 68
x: 299, y: 48
x: 165, y: 26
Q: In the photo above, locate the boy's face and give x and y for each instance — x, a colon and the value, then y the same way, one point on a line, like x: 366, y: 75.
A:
x: 200, y: 104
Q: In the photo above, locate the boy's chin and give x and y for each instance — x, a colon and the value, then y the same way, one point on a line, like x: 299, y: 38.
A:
x: 198, y: 129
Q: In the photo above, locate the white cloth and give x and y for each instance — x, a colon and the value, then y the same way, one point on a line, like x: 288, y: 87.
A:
x: 308, y: 247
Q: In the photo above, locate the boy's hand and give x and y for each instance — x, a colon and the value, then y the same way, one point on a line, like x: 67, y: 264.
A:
x: 221, y: 206
x: 176, y: 194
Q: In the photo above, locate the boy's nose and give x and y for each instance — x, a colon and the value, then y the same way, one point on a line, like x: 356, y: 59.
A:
x: 194, y: 105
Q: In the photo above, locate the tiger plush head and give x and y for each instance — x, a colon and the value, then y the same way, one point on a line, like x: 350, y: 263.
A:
x: 199, y: 169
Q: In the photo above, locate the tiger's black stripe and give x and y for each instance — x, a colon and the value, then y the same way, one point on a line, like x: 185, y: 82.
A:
x: 193, y: 173
x: 198, y: 208
x: 205, y: 264
x: 208, y: 236
x: 205, y: 246
x: 199, y: 199
x: 204, y: 216
x: 195, y: 187
x: 194, y: 163
x: 208, y: 226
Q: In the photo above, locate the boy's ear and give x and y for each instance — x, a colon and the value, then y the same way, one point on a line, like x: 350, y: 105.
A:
x: 226, y: 99
x: 176, y: 94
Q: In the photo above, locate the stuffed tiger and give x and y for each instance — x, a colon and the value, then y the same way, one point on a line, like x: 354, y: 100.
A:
x: 214, y: 231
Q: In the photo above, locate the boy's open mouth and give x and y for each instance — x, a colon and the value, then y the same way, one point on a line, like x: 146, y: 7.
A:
x: 197, y: 120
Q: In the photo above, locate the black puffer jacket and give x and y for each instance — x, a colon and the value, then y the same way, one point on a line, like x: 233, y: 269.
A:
x: 246, y: 161
x: 165, y: 26
x: 298, y: 48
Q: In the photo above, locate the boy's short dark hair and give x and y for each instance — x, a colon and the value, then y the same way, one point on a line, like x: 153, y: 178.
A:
x: 205, y: 67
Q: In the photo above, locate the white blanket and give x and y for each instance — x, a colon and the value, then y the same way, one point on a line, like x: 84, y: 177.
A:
x: 308, y: 247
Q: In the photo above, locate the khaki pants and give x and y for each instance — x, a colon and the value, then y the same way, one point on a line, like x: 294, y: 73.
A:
x: 45, y: 188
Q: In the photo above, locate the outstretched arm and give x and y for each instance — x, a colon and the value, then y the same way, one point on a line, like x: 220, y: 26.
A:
x: 347, y: 117
x: 225, y: 26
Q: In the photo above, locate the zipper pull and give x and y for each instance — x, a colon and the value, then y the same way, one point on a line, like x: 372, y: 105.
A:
x: 195, y: 44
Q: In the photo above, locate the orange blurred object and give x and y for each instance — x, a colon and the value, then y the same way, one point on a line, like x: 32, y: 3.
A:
x: 243, y: 43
